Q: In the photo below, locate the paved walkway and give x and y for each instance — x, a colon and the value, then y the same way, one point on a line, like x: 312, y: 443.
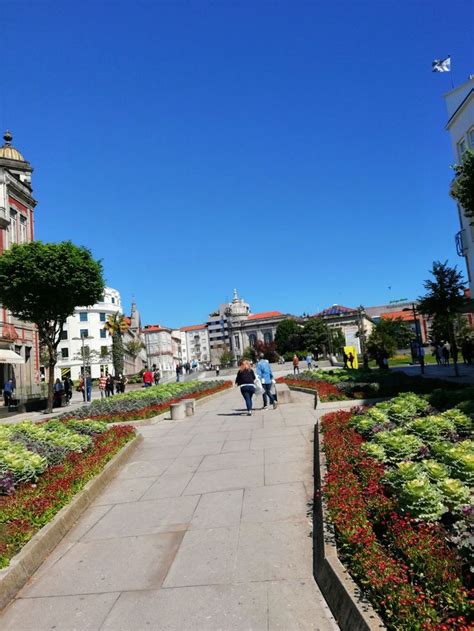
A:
x: 205, y: 528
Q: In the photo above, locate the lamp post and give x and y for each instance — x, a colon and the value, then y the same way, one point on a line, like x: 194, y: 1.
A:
x: 361, y: 328
x: 82, y: 338
x: 417, y: 333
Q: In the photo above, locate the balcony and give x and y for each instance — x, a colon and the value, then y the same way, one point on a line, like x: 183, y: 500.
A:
x: 4, y: 218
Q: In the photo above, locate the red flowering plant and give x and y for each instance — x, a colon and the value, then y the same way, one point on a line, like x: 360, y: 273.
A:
x: 405, y: 567
x: 326, y: 391
x: 31, y: 506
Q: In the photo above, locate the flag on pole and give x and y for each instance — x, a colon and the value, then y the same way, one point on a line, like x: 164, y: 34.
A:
x: 442, y: 65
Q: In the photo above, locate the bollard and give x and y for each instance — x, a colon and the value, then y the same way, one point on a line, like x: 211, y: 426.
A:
x: 178, y: 411
x: 190, y: 406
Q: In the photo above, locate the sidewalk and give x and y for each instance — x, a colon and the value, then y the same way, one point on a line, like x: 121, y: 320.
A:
x: 205, y: 528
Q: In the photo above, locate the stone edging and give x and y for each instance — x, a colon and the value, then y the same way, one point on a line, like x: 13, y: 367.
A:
x: 342, y: 403
x: 352, y: 612
x: 32, y: 555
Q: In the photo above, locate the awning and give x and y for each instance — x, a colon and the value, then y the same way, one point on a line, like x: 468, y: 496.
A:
x: 10, y: 357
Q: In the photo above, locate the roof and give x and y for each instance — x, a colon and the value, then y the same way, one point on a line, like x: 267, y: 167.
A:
x: 460, y: 106
x: 407, y: 316
x: 335, y: 310
x: 193, y: 327
x: 154, y: 327
x: 8, y: 151
x: 264, y: 314
x: 127, y: 320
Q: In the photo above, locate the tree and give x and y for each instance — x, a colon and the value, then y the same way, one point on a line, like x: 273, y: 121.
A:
x: 315, y: 336
x: 288, y: 336
x: 116, y: 325
x: 336, y: 340
x: 227, y: 357
x: 443, y: 301
x: 43, y: 283
x: 398, y: 329
x: 462, y: 188
x: 134, y: 348
x: 380, y: 342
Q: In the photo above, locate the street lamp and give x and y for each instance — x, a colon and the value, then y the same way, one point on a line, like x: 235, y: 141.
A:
x: 417, y: 333
x: 82, y: 338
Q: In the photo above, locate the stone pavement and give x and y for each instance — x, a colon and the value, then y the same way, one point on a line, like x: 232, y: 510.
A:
x: 204, y: 528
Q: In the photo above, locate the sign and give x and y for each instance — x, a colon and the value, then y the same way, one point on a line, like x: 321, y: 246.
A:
x: 351, y: 353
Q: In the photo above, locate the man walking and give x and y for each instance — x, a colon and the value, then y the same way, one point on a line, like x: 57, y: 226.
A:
x: 309, y: 361
x: 102, y: 385
x: 265, y: 374
x: 296, y: 361
x: 8, y: 392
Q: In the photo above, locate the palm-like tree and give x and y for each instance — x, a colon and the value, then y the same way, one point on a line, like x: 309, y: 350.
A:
x: 117, y: 325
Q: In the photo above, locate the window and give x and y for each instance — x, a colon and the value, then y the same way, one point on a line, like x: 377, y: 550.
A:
x: 83, y: 316
x: 104, y: 350
x: 252, y: 339
x: 102, y: 298
x: 470, y: 138
x: 268, y: 337
x: 103, y: 333
x: 461, y: 148
x: 64, y: 353
x: 13, y: 226
x: 84, y: 332
x: 64, y: 335
x: 27, y: 353
x: 23, y: 237
x: 113, y: 300
x: 102, y: 317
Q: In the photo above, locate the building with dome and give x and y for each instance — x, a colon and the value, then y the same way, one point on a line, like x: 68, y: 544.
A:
x: 19, y: 343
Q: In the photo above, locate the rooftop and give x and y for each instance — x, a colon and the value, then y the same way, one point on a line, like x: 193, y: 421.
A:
x: 8, y: 151
x: 335, y: 310
x: 193, y: 327
x: 265, y: 314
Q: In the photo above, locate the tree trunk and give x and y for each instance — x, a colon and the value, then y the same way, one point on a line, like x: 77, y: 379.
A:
x: 454, y: 349
x: 51, y: 366
x: 117, y: 354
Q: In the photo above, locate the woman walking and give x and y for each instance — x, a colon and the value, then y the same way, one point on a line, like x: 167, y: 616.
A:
x: 245, y: 379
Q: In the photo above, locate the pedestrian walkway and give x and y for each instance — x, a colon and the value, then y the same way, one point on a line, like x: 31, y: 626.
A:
x: 204, y: 528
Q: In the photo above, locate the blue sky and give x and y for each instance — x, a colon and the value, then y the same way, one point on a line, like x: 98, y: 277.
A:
x: 294, y: 150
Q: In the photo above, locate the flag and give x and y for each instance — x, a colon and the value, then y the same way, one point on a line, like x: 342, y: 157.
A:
x: 442, y: 65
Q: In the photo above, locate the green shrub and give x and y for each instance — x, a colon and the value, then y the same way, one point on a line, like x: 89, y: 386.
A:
x: 374, y: 451
x: 23, y: 464
x: 455, y: 494
x: 398, y: 444
x: 421, y: 499
x: 431, y: 427
x: 462, y: 422
x: 402, y: 473
x: 434, y: 470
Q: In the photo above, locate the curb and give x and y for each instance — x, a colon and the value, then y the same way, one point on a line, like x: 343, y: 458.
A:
x: 351, y: 610
x: 32, y: 555
x: 341, y: 404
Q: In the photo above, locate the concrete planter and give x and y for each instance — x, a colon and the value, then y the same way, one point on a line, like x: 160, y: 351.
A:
x: 32, y: 555
x: 351, y: 610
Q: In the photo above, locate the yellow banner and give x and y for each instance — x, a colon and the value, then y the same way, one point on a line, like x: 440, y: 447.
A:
x: 65, y: 372
x: 351, y: 354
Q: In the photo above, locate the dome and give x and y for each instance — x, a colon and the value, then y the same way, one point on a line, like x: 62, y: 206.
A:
x: 7, y: 151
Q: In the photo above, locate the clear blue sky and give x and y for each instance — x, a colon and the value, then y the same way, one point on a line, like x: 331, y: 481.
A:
x: 294, y: 150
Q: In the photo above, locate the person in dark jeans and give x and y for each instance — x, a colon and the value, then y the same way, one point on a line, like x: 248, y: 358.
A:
x: 8, y: 392
x: 245, y: 379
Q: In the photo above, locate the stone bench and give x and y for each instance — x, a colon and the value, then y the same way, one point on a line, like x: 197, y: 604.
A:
x: 178, y: 411
x: 283, y: 393
x: 190, y: 405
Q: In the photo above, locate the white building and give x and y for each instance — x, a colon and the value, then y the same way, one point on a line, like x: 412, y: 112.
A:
x: 159, y: 347
x: 197, y: 342
x: 460, y: 106
x: 88, y: 322
x: 180, y: 335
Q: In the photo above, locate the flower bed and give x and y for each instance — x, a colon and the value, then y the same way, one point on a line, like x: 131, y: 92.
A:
x: 42, y: 467
x: 403, y: 546
x: 366, y: 384
x: 145, y: 403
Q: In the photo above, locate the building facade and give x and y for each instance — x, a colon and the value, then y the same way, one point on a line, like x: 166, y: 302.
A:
x: 197, y: 343
x: 88, y: 323
x: 19, y: 343
x: 403, y: 309
x: 350, y: 321
x: 134, y: 361
x: 159, y: 347
x: 460, y: 106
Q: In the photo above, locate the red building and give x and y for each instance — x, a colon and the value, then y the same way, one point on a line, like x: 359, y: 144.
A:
x: 19, y: 344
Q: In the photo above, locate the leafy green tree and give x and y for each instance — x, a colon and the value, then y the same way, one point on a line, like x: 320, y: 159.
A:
x: 336, y: 340
x: 462, y: 188
x: 315, y: 336
x: 116, y: 325
x: 398, y: 329
x: 380, y: 342
x: 43, y: 283
x: 134, y: 347
x: 250, y: 353
x: 443, y: 300
x: 288, y: 336
x: 227, y: 357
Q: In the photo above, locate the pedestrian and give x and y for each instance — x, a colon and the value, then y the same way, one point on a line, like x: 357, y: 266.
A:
x: 246, y: 380
x: 8, y: 389
x: 88, y: 387
x: 439, y: 354
x: 350, y: 359
x: 296, y: 367
x: 309, y: 361
x: 109, y: 386
x: 81, y: 388
x: 147, y: 378
x: 68, y: 389
x: 178, y: 371
x: 421, y: 357
x: 217, y: 370
x: 265, y: 374
x: 156, y: 376
x: 58, y: 390
x: 344, y: 359
x: 445, y: 352
x: 102, y: 385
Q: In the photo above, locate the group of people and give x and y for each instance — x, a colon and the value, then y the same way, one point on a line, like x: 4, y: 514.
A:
x: 64, y: 388
x: 151, y: 376
x: 249, y: 382
x: 296, y: 363
x: 108, y: 385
